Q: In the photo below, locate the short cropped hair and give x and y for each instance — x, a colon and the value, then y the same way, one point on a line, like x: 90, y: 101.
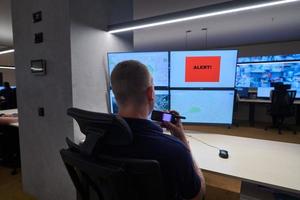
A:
x: 130, y: 80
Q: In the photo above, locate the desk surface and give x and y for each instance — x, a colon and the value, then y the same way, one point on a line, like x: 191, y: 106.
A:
x: 261, y: 101
x: 270, y: 163
x: 10, y: 111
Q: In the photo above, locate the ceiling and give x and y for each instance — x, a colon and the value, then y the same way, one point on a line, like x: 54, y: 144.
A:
x: 6, y: 37
x: 265, y: 25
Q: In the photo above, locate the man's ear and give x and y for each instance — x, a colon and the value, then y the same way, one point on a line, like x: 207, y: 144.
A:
x: 150, y: 93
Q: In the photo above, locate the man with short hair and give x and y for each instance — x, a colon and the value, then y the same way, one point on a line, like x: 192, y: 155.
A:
x: 133, y: 88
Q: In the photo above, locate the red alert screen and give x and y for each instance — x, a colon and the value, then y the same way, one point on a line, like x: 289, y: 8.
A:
x: 202, y: 69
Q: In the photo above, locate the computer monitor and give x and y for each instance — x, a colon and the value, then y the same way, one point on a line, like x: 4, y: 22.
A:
x: 203, y: 69
x: 204, y: 106
x: 156, y: 62
x: 161, y: 101
x: 264, y: 92
x: 263, y: 71
x: 243, y: 92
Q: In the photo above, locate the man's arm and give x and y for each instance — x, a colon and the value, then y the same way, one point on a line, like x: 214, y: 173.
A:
x: 177, y: 131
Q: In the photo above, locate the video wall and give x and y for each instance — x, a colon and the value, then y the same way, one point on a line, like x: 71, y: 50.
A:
x: 198, y: 84
x: 261, y: 71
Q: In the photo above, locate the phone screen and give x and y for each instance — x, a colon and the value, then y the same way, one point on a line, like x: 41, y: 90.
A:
x: 166, y: 117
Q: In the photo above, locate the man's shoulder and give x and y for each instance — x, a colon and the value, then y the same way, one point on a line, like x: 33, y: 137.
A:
x: 167, y: 144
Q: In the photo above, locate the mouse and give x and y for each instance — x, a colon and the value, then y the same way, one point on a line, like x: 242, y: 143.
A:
x: 223, y: 154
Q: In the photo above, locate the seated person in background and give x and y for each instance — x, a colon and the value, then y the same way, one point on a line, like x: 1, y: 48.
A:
x: 133, y: 88
x: 8, y: 95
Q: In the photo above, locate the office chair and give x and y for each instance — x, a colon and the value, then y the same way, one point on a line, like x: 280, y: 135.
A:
x: 10, y: 148
x: 103, y: 177
x: 236, y: 108
x: 281, y: 107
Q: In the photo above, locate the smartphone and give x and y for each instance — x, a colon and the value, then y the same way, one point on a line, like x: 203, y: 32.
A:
x: 163, y: 116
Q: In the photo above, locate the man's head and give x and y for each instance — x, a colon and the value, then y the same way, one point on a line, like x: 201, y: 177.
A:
x: 132, y: 86
x: 6, y: 84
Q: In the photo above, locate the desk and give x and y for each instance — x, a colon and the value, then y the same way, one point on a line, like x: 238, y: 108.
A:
x: 269, y: 163
x: 11, y: 111
x: 252, y: 103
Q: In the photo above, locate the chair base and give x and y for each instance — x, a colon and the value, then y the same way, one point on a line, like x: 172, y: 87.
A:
x: 278, y: 123
x: 280, y: 128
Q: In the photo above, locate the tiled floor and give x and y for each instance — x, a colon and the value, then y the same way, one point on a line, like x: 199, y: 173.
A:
x: 11, y: 186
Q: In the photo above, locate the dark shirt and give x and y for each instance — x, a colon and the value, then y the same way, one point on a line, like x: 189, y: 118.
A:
x: 176, y: 163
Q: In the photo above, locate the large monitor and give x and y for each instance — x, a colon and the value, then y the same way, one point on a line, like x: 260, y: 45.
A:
x: 203, y: 69
x: 161, y: 101
x: 156, y: 62
x: 204, y: 106
x: 261, y: 72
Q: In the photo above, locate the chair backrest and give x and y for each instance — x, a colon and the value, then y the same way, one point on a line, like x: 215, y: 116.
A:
x: 282, y: 102
x: 236, y: 101
x: 104, y: 177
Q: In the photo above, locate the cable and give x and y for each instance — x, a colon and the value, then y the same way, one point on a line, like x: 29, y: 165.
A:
x: 203, y: 142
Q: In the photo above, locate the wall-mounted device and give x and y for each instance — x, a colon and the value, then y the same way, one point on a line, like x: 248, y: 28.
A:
x: 38, y: 67
x: 37, y: 17
x: 41, y: 112
x: 38, y: 37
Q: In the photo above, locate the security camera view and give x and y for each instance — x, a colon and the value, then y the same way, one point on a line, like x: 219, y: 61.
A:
x: 161, y: 101
x: 261, y: 75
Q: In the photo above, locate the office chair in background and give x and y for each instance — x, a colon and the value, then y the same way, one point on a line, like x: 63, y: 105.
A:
x: 10, y: 148
x: 103, y: 177
x: 236, y: 107
x: 282, y: 106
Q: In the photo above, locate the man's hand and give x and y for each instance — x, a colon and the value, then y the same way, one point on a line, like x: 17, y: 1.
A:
x: 176, y: 129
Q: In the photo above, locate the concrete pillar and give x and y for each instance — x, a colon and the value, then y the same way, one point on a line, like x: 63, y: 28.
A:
x: 75, y: 46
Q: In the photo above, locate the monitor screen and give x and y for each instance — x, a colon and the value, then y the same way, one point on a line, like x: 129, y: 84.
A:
x: 156, y: 62
x: 262, y: 75
x: 203, y: 69
x: 204, y: 106
x: 161, y: 101
x: 242, y: 92
x: 264, y: 92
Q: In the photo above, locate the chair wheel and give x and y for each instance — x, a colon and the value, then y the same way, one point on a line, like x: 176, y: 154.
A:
x: 266, y: 129
x: 295, y: 132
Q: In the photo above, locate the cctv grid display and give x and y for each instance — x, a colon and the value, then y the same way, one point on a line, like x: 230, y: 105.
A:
x: 203, y: 100
x: 261, y: 71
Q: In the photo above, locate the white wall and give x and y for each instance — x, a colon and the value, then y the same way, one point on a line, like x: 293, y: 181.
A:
x: 9, y: 75
x: 89, y: 46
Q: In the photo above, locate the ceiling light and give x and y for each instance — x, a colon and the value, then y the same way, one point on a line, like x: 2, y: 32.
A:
x: 7, y: 51
x: 7, y: 67
x: 230, y: 7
